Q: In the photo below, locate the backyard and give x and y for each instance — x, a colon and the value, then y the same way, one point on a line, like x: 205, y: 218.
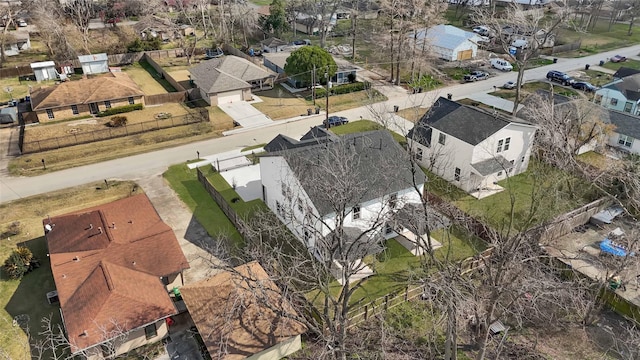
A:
x: 14, y: 88
x: 600, y: 38
x: 27, y: 296
x: 148, y: 82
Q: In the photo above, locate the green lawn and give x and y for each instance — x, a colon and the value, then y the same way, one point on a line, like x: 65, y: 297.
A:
x: 242, y: 208
x: 185, y: 183
x: 163, y: 82
x: 364, y: 125
x: 531, y: 87
x: 630, y: 63
x: 539, y: 194
x: 600, y: 38
x: 349, y: 101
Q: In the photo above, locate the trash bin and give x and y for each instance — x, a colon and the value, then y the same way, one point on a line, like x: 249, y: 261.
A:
x: 309, y: 111
x: 449, y: 96
x: 586, y: 67
x: 396, y: 108
x: 317, y: 110
x: 601, y: 62
x: 555, y: 60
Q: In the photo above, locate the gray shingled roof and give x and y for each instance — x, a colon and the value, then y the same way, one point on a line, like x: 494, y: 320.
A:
x: 273, y: 42
x: 469, y: 124
x: 628, y: 86
x: 412, y: 217
x: 375, y: 160
x: 227, y: 73
x: 314, y: 136
x: 623, y: 72
x: 492, y: 166
x: 626, y: 124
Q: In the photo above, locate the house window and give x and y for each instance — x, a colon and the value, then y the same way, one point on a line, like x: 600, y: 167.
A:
x: 393, y: 200
x: 388, y: 229
x: 627, y: 106
x: 284, y: 189
x: 597, y: 99
x: 500, y: 142
x: 499, y: 173
x: 356, y: 212
x: 522, y: 160
x: 456, y: 174
x: 107, y: 104
x: 507, y: 141
x: 625, y: 140
x: 50, y: 114
x: 279, y: 208
x: 74, y: 109
x: 307, y: 236
x: 300, y: 205
x: 442, y: 138
x: 131, y: 101
x: 150, y: 331
x: 419, y: 154
x: 613, y: 102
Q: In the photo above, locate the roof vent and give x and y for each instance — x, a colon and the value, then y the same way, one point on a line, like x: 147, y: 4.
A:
x: 76, y: 258
x: 113, y: 225
x: 90, y: 227
x: 133, y: 263
x: 100, y: 229
x: 85, y: 333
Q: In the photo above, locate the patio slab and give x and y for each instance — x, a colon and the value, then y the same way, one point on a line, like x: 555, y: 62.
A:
x: 247, y: 181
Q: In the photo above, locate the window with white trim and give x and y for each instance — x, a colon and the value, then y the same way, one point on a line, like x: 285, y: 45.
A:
x: 150, y: 331
x: 624, y: 140
x: 507, y: 141
x: 628, y: 106
x: 356, y: 212
x: 456, y: 174
x: 613, y: 101
x: 74, y: 109
x: 442, y: 138
x: 419, y: 154
x: 500, y: 142
x: 279, y: 208
x: 50, y: 114
x: 131, y: 101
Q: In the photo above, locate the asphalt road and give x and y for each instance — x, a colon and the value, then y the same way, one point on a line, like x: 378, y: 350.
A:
x: 153, y: 163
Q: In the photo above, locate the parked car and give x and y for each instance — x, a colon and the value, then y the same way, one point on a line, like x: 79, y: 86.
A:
x: 21, y: 23
x: 501, y: 64
x: 520, y: 44
x: 584, y: 86
x: 302, y: 42
x: 335, y: 121
x: 213, y: 53
x: 618, y: 58
x: 475, y: 76
x: 560, y: 77
x: 481, y: 30
x: 509, y: 85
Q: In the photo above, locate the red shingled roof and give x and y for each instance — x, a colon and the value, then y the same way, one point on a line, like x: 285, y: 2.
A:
x: 107, y: 262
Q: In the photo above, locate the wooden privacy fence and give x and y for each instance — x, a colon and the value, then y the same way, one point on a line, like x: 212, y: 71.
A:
x: 111, y: 133
x: 16, y: 71
x: 163, y: 74
x: 172, y: 97
x: 566, y: 47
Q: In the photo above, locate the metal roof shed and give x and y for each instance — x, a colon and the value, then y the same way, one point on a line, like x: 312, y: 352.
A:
x: 44, y: 70
x: 94, y: 64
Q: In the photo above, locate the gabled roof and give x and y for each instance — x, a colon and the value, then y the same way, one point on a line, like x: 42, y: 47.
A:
x: 107, y: 263
x: 491, y: 165
x: 626, y: 124
x: 373, y: 152
x: 273, y: 42
x: 227, y: 73
x: 629, y: 86
x: 412, y: 216
x: 623, y: 72
x: 467, y: 123
x: 445, y: 36
x: 238, y: 313
x: 93, y: 58
x: 314, y: 136
x: 111, y: 86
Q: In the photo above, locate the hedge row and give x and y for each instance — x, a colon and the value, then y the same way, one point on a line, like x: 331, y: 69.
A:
x: 341, y: 89
x: 120, y: 110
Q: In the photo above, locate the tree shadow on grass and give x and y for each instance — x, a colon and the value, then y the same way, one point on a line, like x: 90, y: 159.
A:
x: 30, y: 296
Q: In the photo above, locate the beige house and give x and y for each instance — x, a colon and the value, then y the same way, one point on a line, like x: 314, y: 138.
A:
x: 85, y: 97
x: 229, y: 78
x: 238, y: 315
x: 114, y: 266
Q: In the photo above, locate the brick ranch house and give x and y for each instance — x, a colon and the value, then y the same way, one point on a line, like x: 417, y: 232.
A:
x: 114, y: 266
x: 85, y: 97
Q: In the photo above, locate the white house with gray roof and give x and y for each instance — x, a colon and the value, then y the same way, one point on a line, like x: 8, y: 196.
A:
x: 470, y: 147
x: 358, y: 180
x: 626, y: 135
x: 229, y: 78
x: 447, y: 42
x: 621, y: 94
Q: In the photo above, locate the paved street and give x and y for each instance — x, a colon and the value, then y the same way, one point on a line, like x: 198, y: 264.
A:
x: 154, y: 163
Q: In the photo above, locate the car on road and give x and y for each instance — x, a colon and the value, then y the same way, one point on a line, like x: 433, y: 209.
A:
x: 335, y: 121
x: 584, y: 86
x: 301, y: 42
x: 509, y: 85
x: 618, y: 58
x: 475, y: 76
x: 21, y: 23
x: 560, y: 77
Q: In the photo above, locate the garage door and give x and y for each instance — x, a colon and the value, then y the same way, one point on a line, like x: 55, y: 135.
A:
x: 465, y: 54
x: 228, y: 97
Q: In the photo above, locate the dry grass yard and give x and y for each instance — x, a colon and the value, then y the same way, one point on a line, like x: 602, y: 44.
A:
x: 412, y: 114
x: 279, y: 104
x: 145, y: 81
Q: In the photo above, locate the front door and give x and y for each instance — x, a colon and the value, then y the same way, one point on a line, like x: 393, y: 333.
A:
x: 93, y: 108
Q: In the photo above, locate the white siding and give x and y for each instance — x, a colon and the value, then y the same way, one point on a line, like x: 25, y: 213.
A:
x: 635, y: 146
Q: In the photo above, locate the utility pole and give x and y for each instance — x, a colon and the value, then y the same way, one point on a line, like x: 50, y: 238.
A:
x: 313, y: 85
x: 354, y: 24
x: 326, y: 76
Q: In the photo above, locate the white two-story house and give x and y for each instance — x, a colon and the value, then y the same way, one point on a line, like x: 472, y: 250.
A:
x: 622, y: 94
x: 470, y: 147
x: 338, y: 194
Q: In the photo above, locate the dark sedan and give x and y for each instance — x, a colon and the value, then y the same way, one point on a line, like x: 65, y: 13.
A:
x: 335, y: 121
x: 584, y: 86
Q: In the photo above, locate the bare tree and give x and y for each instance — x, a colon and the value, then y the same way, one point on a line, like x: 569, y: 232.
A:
x: 8, y: 14
x: 536, y: 27
x: 50, y: 21
x: 80, y: 12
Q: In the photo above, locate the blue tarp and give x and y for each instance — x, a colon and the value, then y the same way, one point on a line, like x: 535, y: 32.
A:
x: 607, y: 246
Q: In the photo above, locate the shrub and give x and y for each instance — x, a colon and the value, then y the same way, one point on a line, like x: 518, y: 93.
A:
x: 117, y: 121
x: 13, y: 229
x: 18, y: 263
x: 120, y: 110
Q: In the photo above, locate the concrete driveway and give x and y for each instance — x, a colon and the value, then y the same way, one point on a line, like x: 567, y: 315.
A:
x: 246, y: 115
